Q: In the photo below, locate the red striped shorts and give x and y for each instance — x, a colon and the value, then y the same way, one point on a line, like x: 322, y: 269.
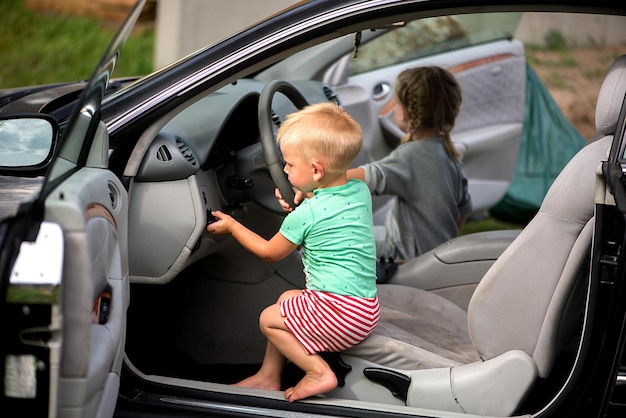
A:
x: 324, y: 321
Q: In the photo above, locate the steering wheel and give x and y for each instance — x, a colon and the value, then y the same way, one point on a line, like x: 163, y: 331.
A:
x: 268, y: 141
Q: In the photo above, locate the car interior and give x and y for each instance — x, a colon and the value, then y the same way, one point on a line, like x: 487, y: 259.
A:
x: 492, y: 323
x: 487, y: 324
x: 514, y: 338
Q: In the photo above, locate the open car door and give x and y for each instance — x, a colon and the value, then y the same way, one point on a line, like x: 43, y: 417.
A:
x: 64, y: 270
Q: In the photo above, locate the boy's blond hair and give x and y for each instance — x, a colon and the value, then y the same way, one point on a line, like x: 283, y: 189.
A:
x: 323, y: 132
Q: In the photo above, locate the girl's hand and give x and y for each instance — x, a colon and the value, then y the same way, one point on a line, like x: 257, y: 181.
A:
x: 223, y: 225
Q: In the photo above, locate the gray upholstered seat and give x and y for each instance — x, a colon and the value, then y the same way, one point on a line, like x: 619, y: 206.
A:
x: 431, y: 353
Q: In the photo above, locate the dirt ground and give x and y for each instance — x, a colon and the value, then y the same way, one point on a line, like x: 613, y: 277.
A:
x: 574, y: 79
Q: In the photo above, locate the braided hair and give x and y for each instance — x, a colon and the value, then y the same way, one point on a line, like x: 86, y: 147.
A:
x: 432, y: 99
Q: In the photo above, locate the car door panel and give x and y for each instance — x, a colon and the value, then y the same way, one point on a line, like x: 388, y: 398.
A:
x: 64, y: 359
x: 91, y: 208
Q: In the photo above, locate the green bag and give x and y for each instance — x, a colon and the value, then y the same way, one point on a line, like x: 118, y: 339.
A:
x: 548, y: 142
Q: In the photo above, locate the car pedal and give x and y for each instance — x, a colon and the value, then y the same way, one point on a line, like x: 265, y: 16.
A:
x: 338, y: 366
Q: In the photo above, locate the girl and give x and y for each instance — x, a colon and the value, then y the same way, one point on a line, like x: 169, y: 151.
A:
x: 424, y: 173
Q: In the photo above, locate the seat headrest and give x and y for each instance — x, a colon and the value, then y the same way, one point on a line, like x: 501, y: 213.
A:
x: 611, y: 97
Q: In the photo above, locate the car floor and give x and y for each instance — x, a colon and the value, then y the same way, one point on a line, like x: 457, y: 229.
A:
x: 169, y: 327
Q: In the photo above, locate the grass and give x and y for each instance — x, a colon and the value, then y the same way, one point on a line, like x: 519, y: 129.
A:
x: 487, y: 223
x: 55, y: 48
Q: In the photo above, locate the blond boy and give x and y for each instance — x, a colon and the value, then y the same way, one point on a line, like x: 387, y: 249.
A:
x: 334, y: 228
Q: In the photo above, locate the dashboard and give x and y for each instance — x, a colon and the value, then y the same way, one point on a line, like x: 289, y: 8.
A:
x: 207, y: 157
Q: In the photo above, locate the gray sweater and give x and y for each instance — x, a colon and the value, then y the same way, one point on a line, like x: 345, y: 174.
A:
x: 430, y: 192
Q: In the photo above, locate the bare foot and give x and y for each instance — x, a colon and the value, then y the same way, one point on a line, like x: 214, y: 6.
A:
x: 259, y: 382
x: 312, y: 385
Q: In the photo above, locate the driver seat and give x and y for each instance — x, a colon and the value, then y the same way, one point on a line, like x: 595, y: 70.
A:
x: 428, y: 352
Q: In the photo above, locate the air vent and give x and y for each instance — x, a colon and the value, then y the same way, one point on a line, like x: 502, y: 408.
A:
x: 186, y: 152
x: 331, y: 95
x: 163, y: 154
x: 170, y: 159
x: 275, y: 119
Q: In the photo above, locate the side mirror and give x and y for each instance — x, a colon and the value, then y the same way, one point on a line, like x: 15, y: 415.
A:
x: 27, y: 144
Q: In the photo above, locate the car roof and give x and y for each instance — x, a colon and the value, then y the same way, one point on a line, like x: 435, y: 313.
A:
x: 274, y: 38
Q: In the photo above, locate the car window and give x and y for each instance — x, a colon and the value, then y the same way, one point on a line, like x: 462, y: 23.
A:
x: 423, y: 37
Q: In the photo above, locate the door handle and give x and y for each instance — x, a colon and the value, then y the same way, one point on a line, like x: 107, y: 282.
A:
x: 381, y: 91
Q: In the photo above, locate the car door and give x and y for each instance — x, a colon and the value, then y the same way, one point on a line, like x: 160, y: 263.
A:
x: 64, y: 271
x: 491, y: 68
x: 609, y: 259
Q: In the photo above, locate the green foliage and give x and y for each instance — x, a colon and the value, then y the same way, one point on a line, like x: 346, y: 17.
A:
x: 609, y: 58
x: 40, y: 48
x: 591, y: 41
x: 555, y: 80
x: 555, y: 41
x: 487, y: 224
x: 596, y: 74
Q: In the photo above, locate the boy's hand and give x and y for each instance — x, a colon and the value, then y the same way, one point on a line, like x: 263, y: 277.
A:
x: 222, y: 225
x: 299, y: 197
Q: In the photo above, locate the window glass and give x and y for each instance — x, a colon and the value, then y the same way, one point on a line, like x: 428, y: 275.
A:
x: 424, y: 37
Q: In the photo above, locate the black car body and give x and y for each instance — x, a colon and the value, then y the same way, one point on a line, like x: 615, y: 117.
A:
x: 116, y: 302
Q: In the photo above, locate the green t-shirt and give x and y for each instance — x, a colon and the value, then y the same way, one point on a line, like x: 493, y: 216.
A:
x: 335, y: 229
